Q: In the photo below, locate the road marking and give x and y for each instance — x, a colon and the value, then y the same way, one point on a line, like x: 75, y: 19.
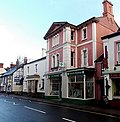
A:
x: 35, y: 109
x: 68, y: 120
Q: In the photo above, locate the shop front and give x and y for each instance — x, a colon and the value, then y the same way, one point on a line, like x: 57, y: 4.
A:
x: 115, y: 77
x: 81, y: 84
x: 55, y: 85
x: 112, y: 89
x: 32, y: 82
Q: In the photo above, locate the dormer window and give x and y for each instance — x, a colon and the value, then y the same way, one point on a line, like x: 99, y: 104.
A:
x: 84, y: 33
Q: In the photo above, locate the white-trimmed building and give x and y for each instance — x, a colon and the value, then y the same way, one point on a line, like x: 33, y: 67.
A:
x: 34, y: 77
x: 112, y: 67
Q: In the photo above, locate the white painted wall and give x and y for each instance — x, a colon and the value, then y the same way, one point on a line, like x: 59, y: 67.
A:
x: 17, y: 73
x: 41, y: 67
x: 110, y: 44
x: 111, y: 63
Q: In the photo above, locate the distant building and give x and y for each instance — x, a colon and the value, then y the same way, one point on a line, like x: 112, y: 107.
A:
x: 2, y: 70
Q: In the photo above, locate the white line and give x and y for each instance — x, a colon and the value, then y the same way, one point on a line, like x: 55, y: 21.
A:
x: 34, y: 109
x: 68, y: 120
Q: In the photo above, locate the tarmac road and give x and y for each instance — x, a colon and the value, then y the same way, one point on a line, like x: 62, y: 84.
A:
x: 19, y: 110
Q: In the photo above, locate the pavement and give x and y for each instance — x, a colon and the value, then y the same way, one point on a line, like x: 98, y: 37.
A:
x: 86, y: 108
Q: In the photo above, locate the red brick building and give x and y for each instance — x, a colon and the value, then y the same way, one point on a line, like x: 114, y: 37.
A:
x: 71, y: 52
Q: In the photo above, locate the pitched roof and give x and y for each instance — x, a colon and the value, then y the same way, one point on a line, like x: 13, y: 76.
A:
x: 93, y: 19
x: 111, y: 35
x: 118, y: 30
x: 55, y: 27
x: 99, y: 59
x: 10, y: 71
x: 36, y: 60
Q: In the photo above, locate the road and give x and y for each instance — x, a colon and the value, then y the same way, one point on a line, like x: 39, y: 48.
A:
x: 19, y: 110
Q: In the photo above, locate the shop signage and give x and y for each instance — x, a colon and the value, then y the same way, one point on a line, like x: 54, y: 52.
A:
x: 75, y: 73
x: 115, y: 75
x: 54, y: 76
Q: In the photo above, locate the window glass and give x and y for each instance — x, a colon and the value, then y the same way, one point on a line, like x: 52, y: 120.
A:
x: 76, y: 87
x: 84, y: 33
x: 53, y: 61
x: 89, y: 87
x: 58, y: 60
x: 55, y: 40
x: 55, y: 85
x: 72, y: 58
x: 72, y: 35
x: 84, y: 57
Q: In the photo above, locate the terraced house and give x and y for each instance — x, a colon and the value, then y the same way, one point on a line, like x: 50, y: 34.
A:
x: 71, y: 52
x: 112, y: 68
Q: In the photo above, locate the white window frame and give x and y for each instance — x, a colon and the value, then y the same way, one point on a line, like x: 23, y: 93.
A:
x: 83, y: 33
x: 72, y: 36
x: 82, y: 57
x: 118, y: 53
x: 55, y: 40
x: 52, y: 61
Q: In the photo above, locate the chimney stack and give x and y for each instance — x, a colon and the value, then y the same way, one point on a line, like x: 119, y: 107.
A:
x: 108, y: 9
x: 12, y: 65
x: 43, y: 52
x: 25, y: 60
x: 1, y: 65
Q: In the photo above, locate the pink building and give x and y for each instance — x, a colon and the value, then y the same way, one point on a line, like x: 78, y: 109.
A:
x: 71, y: 52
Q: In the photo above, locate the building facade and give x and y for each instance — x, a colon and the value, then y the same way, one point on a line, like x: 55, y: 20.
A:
x: 2, y: 70
x: 71, y: 52
x: 112, y: 67
x: 33, y: 83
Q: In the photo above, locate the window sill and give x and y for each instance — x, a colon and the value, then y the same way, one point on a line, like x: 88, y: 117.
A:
x: 117, y: 64
x: 116, y: 97
x: 84, y: 39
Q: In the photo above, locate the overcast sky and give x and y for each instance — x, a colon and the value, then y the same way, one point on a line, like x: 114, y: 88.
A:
x: 23, y: 23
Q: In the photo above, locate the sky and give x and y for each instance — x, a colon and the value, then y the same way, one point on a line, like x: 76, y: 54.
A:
x: 23, y: 23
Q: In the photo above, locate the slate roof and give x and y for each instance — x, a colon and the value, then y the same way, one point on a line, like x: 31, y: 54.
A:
x: 36, y: 60
x: 10, y: 71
